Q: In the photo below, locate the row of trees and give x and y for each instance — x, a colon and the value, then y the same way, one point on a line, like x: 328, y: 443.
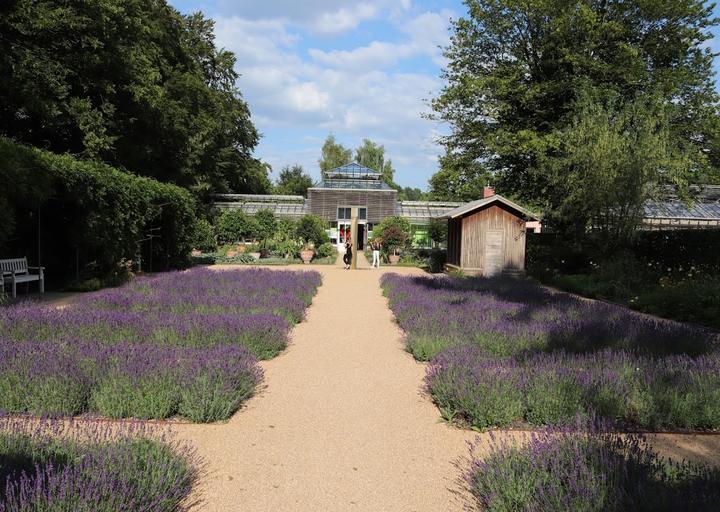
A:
x: 582, y: 108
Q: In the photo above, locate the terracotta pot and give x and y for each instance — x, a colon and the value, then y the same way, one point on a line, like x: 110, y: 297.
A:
x: 307, y: 255
x: 231, y: 254
x: 195, y: 252
x: 394, y: 259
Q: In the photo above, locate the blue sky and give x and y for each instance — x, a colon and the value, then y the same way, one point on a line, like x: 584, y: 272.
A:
x: 356, y: 69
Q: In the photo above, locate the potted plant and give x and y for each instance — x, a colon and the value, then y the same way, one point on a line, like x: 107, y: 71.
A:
x: 394, y: 239
x: 307, y: 252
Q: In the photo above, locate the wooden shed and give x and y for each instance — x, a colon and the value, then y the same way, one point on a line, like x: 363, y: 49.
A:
x: 487, y: 237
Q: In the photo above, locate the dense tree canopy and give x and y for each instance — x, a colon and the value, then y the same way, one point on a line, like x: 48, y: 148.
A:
x: 520, y: 74
x: 293, y: 181
x: 129, y: 82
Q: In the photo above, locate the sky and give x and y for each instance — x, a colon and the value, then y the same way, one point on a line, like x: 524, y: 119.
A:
x: 355, y: 69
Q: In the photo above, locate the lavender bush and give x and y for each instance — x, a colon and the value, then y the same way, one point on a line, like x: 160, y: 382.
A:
x: 587, y: 470
x: 181, y: 343
x: 507, y: 351
x: 49, y: 466
x: 199, y: 308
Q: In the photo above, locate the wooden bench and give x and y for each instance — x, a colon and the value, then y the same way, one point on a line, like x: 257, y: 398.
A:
x: 16, y: 271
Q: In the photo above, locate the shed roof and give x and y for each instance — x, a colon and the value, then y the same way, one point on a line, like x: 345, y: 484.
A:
x: 480, y: 203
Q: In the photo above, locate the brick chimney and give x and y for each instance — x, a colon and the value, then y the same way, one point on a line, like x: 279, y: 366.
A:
x: 488, y: 191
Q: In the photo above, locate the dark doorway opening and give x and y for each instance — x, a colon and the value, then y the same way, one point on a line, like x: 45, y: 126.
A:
x: 361, y: 237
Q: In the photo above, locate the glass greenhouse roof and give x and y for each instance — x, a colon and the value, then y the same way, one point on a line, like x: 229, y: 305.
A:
x: 353, y: 171
x: 679, y: 210
x: 424, y: 210
x: 354, y: 184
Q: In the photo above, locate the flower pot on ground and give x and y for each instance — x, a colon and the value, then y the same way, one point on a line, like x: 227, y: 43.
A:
x: 307, y: 255
x: 394, y: 259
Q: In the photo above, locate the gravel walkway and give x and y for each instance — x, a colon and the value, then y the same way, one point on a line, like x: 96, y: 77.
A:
x: 341, y: 424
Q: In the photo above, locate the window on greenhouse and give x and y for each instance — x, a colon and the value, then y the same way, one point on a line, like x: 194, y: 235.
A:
x: 345, y: 213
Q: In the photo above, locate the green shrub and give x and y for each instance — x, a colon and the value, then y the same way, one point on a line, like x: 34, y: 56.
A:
x: 204, y: 236
x: 235, y: 226
x: 325, y: 250
x: 267, y: 224
x: 693, y: 300
x: 311, y: 229
x: 394, y: 232
x: 437, y: 260
x: 90, y: 212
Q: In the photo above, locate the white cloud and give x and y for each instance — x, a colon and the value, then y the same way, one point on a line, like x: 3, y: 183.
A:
x: 427, y: 34
x: 297, y: 98
x: 343, y: 19
x: 322, y: 16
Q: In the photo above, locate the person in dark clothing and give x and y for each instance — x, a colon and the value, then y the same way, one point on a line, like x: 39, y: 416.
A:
x: 347, y: 258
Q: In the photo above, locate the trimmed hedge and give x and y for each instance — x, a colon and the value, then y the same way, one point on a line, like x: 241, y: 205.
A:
x: 91, y: 213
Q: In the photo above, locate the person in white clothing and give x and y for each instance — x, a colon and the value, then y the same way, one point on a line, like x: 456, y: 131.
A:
x: 376, y: 246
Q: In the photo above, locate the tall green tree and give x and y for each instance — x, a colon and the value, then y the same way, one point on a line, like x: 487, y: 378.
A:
x: 334, y: 154
x: 518, y: 72
x: 609, y: 161
x: 129, y: 82
x: 412, y: 194
x: 372, y: 155
x: 459, y: 179
x: 293, y: 181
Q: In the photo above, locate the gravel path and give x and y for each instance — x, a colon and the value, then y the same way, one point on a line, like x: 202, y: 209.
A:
x: 341, y: 424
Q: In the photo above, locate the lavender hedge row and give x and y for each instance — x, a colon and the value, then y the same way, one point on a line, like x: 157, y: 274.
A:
x: 181, y: 343
x: 587, y: 470
x: 507, y: 351
x: 550, y: 389
x: 66, y: 378
x: 199, y: 308
x: 50, y: 466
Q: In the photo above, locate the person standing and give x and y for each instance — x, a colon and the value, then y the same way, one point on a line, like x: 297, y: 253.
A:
x: 347, y: 258
x: 376, y: 246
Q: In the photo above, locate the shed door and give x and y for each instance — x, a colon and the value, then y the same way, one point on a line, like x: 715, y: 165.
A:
x: 493, y: 253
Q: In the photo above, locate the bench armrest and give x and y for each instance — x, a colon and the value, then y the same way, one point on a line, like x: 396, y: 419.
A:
x: 40, y: 271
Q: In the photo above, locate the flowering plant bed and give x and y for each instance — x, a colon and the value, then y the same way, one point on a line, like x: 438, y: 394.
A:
x: 587, y: 469
x: 181, y: 343
x: 98, y: 467
x: 507, y: 352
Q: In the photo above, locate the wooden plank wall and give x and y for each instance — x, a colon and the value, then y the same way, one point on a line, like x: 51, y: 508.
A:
x: 476, y: 225
x: 379, y: 203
